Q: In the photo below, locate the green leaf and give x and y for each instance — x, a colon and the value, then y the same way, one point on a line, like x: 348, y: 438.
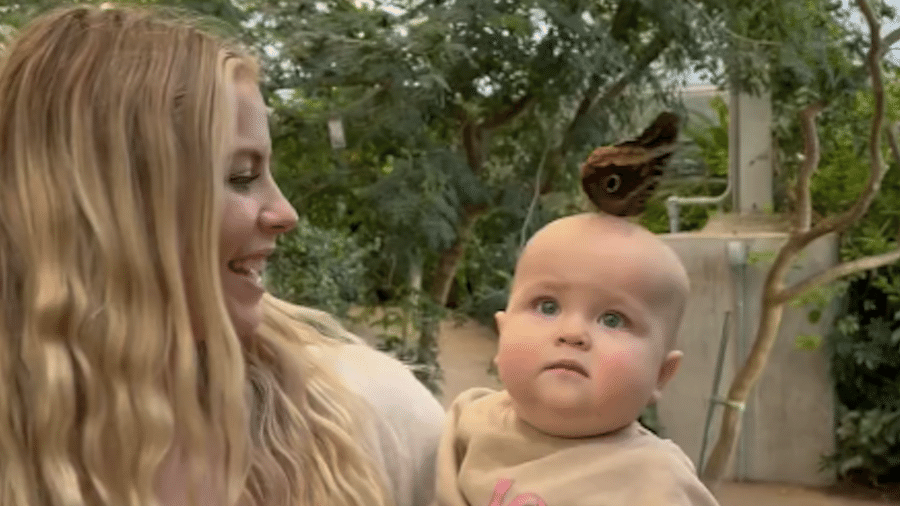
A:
x: 813, y: 316
x: 761, y: 257
x: 808, y: 342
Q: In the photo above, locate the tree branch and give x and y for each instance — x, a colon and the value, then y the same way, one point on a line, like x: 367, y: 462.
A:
x: 473, y: 145
x: 891, y: 132
x: 811, y: 154
x: 834, y: 273
x: 842, y: 221
x: 585, y: 105
x: 650, y: 53
x: 592, y: 101
x: 502, y: 117
x: 888, y: 41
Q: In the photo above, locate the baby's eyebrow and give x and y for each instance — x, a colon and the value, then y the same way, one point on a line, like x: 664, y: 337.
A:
x: 550, y: 285
x: 664, y: 291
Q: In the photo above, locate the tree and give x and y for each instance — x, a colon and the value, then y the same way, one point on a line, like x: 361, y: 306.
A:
x: 459, y: 109
x: 805, y: 229
x: 14, y: 13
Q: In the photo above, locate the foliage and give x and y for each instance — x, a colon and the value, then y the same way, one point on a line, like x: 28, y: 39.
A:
x: 828, y: 67
x: 865, y: 345
x: 457, y: 113
x: 865, y: 349
x: 708, y: 144
x: 799, y: 51
x: 868, y: 446
x: 711, y: 138
x: 814, y: 53
x: 483, y: 280
x: 15, y: 13
x: 322, y: 268
x: 866, y: 354
x: 400, y: 327
x: 451, y: 108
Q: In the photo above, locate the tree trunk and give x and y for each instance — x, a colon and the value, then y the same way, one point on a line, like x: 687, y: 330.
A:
x: 415, y: 295
x: 745, y: 379
x: 450, y: 258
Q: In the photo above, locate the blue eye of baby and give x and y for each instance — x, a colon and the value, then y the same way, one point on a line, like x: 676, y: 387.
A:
x: 612, y: 320
x: 548, y: 307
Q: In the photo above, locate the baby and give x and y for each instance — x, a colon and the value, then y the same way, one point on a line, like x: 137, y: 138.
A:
x: 587, y: 340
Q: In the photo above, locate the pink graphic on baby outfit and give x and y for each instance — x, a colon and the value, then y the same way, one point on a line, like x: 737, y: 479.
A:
x: 502, y: 487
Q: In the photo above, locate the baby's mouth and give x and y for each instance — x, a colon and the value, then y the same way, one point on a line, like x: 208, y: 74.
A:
x: 569, y: 365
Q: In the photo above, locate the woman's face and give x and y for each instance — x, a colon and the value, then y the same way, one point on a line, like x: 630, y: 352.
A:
x: 254, y: 213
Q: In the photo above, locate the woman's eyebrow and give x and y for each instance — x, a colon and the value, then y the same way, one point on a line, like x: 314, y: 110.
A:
x: 254, y: 152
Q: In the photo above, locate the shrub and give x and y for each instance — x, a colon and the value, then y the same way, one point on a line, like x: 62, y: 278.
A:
x: 865, y: 359
x: 321, y: 268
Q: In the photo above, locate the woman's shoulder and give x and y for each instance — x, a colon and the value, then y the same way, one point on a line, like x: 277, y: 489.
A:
x: 406, y: 417
x: 384, y: 380
x: 401, y: 403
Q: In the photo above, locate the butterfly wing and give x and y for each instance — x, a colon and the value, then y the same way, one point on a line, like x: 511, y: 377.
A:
x: 662, y: 132
x: 619, y: 179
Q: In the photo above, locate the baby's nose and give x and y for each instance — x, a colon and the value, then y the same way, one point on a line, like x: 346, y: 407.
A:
x: 574, y: 334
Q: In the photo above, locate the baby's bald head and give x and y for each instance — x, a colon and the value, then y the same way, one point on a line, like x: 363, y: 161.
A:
x: 664, y: 282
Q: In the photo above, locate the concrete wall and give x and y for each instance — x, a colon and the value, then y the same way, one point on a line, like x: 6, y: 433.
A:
x: 789, y: 421
x: 750, y: 150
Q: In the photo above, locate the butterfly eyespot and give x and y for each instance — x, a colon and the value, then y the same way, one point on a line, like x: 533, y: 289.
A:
x: 612, y: 183
x: 619, y: 179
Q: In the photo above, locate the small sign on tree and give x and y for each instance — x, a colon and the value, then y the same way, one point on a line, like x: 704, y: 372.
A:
x: 336, y: 133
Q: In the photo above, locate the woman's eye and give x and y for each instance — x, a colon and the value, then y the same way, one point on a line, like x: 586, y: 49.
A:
x: 242, y: 181
x: 547, y: 307
x: 612, y: 320
x: 244, y: 170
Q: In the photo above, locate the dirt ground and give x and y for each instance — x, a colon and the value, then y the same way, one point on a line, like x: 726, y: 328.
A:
x: 466, y: 353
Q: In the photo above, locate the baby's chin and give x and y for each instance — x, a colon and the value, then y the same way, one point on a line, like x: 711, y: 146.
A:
x: 569, y: 424
x: 569, y: 430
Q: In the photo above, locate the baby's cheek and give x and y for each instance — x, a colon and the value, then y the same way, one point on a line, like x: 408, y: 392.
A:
x: 621, y: 368
x: 512, y: 357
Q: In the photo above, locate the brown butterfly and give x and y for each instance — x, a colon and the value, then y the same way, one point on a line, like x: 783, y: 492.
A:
x: 619, y: 179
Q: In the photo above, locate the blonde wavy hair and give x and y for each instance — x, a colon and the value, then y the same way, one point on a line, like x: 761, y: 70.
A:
x: 114, y: 131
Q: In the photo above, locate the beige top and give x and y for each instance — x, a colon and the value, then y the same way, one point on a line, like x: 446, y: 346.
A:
x: 489, y: 457
x: 408, y: 422
x: 402, y: 437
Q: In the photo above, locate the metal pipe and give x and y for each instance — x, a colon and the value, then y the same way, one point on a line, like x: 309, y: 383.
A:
x: 674, y: 202
x: 714, y: 397
x: 737, y: 257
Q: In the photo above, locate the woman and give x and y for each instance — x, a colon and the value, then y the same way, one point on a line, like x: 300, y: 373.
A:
x: 141, y: 362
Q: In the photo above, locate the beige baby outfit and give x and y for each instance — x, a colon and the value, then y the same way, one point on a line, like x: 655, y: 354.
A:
x: 487, y: 456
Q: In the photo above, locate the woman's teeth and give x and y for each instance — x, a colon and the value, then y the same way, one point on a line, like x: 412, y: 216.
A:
x: 254, y: 273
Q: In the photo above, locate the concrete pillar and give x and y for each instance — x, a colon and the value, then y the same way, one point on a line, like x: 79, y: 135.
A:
x: 750, y: 152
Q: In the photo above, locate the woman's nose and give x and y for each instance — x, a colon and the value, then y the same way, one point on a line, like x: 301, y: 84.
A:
x: 279, y: 216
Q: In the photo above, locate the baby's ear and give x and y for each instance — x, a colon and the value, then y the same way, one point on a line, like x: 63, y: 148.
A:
x: 666, y: 371
x: 499, y: 318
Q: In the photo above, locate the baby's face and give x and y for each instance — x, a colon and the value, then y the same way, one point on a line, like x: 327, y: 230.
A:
x: 583, y: 340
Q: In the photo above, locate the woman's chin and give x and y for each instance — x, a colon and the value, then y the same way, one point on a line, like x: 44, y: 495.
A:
x: 245, y: 319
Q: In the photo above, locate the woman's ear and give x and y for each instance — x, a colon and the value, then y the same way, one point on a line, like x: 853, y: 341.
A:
x: 666, y: 371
